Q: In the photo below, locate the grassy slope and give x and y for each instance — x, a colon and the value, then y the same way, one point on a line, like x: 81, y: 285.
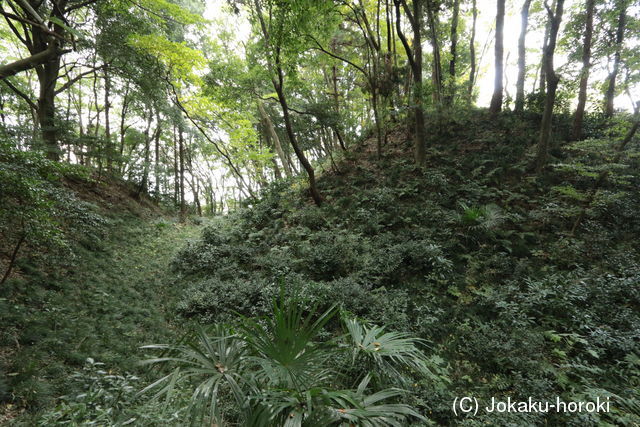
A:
x: 111, y: 301
x: 473, y: 253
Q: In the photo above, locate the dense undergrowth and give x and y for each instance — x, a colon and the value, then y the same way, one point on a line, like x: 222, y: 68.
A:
x: 86, y: 291
x: 473, y: 253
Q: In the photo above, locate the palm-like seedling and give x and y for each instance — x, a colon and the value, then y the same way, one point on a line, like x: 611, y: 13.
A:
x: 212, y: 362
x: 284, y: 348
x: 356, y: 407
x: 392, y: 353
x: 324, y: 407
x: 276, y: 372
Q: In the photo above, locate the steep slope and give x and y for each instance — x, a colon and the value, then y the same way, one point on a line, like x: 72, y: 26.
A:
x: 472, y: 253
x: 97, y: 298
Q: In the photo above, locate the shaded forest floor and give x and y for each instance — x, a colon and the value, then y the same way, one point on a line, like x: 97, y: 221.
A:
x: 110, y: 302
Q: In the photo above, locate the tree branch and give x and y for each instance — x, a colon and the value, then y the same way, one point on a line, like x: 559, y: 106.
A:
x: 21, y: 94
x: 79, y: 5
x: 30, y: 62
x: 340, y: 58
x: 72, y: 81
x: 403, y: 39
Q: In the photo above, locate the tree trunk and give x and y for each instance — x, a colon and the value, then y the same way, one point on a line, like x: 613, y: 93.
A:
x: 123, y: 127
x: 545, y: 44
x: 144, y: 183
x: 196, y: 197
x: 156, y: 157
x: 454, y: 52
x: 611, y: 87
x: 552, y: 85
x: 276, y: 140
x: 415, y: 61
x: 578, y: 117
x: 313, y: 188
x: 278, y: 84
x: 472, y: 49
x: 183, y: 206
x: 12, y: 259
x: 436, y: 72
x: 522, y: 52
x: 498, y: 86
x: 107, y: 127
x: 176, y: 174
x: 47, y: 78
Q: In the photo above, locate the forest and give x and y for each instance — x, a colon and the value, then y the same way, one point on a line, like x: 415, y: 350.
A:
x: 319, y: 212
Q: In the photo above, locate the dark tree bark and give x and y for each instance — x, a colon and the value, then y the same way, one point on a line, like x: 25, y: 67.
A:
x: 12, y: 258
x: 44, y: 37
x: 611, y: 86
x: 414, y: 56
x: 552, y: 84
x: 498, y: 87
x: 313, y: 187
x: 123, y: 126
x: 144, y: 183
x: 522, y: 52
x: 47, y: 78
x: 436, y: 68
x: 578, y: 117
x: 454, y: 52
x: 545, y: 44
x: 41, y: 39
x: 30, y: 62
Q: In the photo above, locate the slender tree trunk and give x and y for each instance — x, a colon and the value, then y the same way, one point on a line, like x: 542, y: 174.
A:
x: 278, y: 84
x: 313, y: 188
x: 415, y: 61
x: 176, y: 173
x: 376, y: 115
x: 276, y: 140
x: 611, y: 87
x: 522, y: 52
x: 436, y: 72
x: 498, y: 86
x: 156, y: 158
x: 545, y: 44
x: 196, y: 196
x: 144, y: 184
x: 181, y: 148
x: 552, y: 85
x: 107, y: 110
x: 578, y: 117
x: 472, y: 49
x: 123, y: 127
x: 12, y: 258
x: 454, y: 52
x: 3, y: 116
